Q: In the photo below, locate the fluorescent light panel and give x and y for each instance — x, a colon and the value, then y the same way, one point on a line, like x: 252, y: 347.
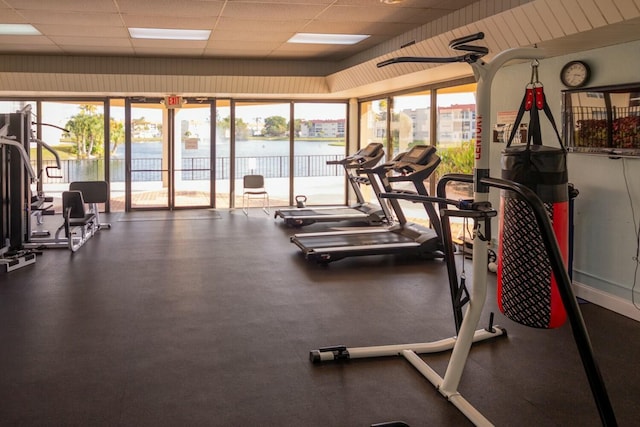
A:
x: 18, y: 30
x: 169, y: 34
x: 313, y: 38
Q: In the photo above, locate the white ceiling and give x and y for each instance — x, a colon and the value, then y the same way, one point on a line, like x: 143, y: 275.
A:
x: 85, y: 48
x: 257, y: 29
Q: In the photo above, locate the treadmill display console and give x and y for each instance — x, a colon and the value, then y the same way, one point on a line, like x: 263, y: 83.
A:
x: 418, y: 154
x: 370, y: 150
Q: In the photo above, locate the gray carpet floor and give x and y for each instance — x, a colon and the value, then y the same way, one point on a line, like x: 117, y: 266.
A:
x: 210, y: 323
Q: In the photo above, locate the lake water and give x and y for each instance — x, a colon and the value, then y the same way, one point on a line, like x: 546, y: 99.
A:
x: 250, y: 148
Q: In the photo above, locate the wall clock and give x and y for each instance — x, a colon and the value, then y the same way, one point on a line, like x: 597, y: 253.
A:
x: 575, y: 74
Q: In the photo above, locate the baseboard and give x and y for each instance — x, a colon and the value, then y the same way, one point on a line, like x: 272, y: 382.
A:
x: 606, y: 300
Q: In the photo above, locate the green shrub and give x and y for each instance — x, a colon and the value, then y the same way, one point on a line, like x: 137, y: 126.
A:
x: 458, y: 159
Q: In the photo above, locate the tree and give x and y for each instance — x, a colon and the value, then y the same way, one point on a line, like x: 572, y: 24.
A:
x: 86, y: 129
x: 275, y: 126
x: 297, y: 125
x: 116, y: 134
x: 242, y: 128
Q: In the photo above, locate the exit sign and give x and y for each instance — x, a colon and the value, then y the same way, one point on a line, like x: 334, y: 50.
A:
x: 173, y: 101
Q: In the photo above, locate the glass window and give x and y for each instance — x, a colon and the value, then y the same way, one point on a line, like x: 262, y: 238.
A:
x: 262, y: 146
x: 411, y: 125
x: 411, y: 120
x: 373, y: 122
x: 456, y: 134
x: 223, y: 153
x: 320, y: 136
x: 116, y: 155
x: 75, y: 131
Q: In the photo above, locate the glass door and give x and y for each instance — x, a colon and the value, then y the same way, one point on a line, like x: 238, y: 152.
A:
x: 169, y: 152
x: 147, y: 154
x: 192, y: 153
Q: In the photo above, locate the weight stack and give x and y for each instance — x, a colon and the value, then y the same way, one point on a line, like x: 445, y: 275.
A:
x: 527, y: 291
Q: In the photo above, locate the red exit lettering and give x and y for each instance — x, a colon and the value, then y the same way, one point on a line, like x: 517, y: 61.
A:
x: 174, y: 100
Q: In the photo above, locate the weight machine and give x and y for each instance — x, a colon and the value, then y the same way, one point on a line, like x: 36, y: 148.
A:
x: 20, y: 206
x: 481, y: 212
x: 16, y: 176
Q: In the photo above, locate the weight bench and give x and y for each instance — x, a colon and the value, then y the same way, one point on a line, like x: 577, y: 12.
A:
x: 93, y: 192
x: 80, y: 211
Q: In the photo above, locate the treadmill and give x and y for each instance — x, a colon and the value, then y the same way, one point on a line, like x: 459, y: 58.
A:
x: 412, y: 167
x: 362, y: 211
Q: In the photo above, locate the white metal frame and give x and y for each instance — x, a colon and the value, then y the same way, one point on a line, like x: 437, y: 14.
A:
x: 460, y: 345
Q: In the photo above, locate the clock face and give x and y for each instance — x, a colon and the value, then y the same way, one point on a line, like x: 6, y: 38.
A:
x: 575, y: 74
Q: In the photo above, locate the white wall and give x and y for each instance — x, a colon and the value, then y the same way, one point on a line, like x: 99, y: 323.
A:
x: 605, y: 242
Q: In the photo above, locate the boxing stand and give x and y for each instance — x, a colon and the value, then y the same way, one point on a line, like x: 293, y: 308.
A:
x: 481, y: 212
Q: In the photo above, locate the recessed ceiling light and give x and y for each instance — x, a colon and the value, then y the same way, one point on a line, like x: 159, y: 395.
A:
x: 327, y: 38
x: 18, y: 30
x: 169, y: 34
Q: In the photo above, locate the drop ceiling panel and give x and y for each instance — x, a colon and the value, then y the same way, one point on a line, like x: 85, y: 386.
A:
x: 272, y: 11
x: 81, y: 31
x: 64, y: 5
x: 95, y: 41
x: 377, y: 13
x: 240, y: 45
x: 9, y: 16
x: 169, y: 44
x: 25, y: 41
x: 355, y: 27
x: 259, y: 25
x: 71, y: 18
x: 193, y: 8
x: 251, y: 36
x: 179, y: 22
x: 167, y: 51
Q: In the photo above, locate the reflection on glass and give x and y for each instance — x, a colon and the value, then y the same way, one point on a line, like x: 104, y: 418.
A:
x: 603, y: 120
x: 373, y: 123
x: 192, y: 155
x: 411, y: 121
x: 222, y: 153
x: 411, y: 125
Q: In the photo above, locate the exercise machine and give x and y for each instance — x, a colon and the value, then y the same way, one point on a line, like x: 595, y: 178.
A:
x: 81, y: 217
x: 20, y: 205
x: 16, y: 176
x: 361, y: 211
x: 479, y: 209
x: 41, y: 204
x: 403, y: 237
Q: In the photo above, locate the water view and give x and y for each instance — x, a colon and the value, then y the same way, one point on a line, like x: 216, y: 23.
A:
x: 246, y: 148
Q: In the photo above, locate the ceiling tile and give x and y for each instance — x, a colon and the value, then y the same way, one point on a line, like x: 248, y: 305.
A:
x: 194, y: 8
x: 71, y: 18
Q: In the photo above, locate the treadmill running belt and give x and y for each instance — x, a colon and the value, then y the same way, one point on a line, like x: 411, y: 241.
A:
x: 319, y: 212
x: 318, y: 242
